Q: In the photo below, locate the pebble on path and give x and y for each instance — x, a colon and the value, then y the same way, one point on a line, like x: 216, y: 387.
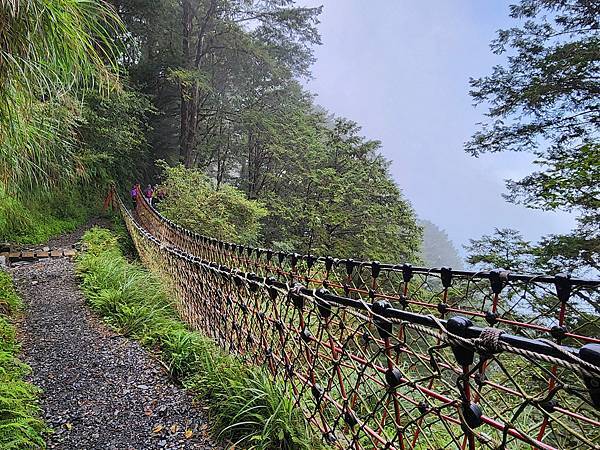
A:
x: 101, y: 390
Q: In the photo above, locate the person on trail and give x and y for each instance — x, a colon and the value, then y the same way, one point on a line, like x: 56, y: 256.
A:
x: 134, y: 194
x: 148, y: 193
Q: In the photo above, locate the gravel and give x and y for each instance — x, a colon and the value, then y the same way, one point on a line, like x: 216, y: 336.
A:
x: 101, y: 390
x: 68, y: 239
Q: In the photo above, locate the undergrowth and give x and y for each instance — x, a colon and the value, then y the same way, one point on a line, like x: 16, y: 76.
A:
x: 20, y: 425
x: 246, y: 406
x: 37, y: 218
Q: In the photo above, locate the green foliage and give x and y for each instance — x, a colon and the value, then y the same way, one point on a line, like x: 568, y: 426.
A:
x: 39, y: 147
x: 112, y: 134
x: 129, y: 298
x: 505, y: 249
x: 50, y: 44
x: 236, y: 56
x: 107, y: 143
x: 571, y: 181
x: 98, y: 241
x: 47, y: 48
x: 337, y: 198
x: 544, y: 100
x: 20, y: 426
x: 9, y: 300
x: 195, y: 203
x: 546, y: 93
x: 577, y: 252
x: 121, y: 233
x: 38, y: 217
x: 246, y: 405
x: 59, y: 141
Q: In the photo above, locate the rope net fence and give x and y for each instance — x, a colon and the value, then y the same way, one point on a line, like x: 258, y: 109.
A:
x: 395, y: 356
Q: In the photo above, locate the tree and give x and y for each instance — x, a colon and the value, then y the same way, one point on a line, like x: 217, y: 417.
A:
x: 112, y: 134
x: 337, y: 198
x: 438, y: 250
x: 222, y: 73
x: 505, y: 249
x: 545, y: 100
x: 153, y: 45
x: 277, y: 39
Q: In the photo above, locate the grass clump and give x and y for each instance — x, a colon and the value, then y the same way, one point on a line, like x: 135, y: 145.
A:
x: 246, y: 405
x: 20, y: 425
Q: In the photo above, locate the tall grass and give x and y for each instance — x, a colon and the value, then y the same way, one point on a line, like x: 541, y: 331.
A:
x: 48, y: 48
x: 20, y: 425
x: 37, y: 218
x: 246, y: 405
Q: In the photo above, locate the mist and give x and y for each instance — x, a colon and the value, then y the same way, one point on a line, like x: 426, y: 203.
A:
x: 401, y: 70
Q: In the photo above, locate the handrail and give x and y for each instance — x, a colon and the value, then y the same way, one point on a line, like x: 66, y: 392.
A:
x: 371, y: 332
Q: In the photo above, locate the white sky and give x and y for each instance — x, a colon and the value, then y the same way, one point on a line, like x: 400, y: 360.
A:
x: 400, y: 68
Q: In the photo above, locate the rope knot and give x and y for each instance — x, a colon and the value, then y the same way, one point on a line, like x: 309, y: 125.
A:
x: 489, y: 340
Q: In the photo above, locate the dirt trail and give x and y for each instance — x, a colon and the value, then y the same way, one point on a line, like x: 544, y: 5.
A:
x: 101, y: 391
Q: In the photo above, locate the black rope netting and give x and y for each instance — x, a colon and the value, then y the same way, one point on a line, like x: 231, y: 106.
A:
x: 395, y: 356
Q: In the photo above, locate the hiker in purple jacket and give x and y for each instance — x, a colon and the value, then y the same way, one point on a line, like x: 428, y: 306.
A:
x: 134, y: 194
x: 148, y: 193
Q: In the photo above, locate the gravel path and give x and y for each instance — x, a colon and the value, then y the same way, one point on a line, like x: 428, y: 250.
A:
x: 101, y: 391
x: 68, y: 239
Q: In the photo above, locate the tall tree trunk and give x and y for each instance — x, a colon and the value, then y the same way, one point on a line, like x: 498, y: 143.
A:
x: 193, y: 53
x: 186, y: 25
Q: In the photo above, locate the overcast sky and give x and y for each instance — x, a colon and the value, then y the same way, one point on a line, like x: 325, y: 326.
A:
x: 400, y: 68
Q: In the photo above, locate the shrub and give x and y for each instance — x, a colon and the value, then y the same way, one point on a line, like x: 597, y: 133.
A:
x: 195, y: 203
x: 38, y: 217
x: 9, y: 300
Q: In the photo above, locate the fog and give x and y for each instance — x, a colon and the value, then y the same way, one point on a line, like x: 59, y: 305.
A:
x: 400, y: 69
